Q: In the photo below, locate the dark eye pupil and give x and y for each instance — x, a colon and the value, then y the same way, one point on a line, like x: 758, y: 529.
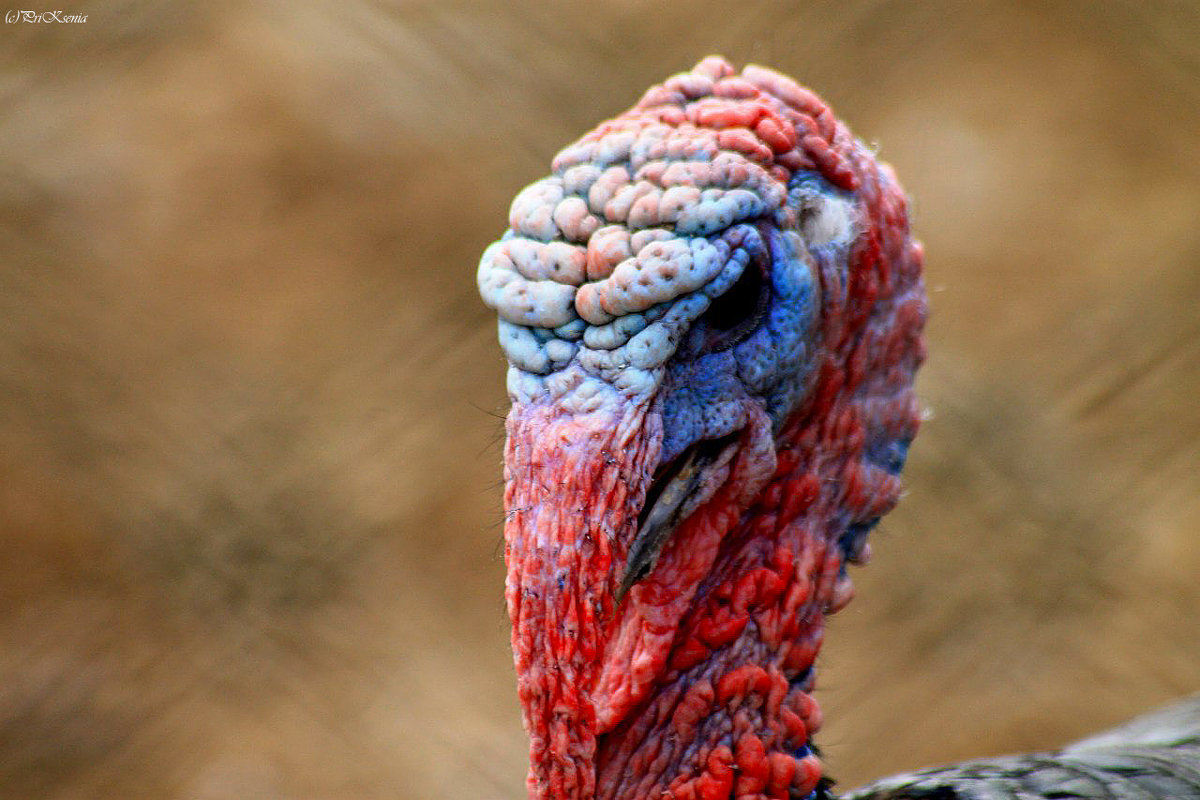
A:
x: 739, y: 302
x: 736, y: 313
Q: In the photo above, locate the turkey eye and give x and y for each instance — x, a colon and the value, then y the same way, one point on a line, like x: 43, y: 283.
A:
x: 736, y: 313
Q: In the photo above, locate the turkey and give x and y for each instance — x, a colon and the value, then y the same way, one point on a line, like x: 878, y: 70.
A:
x: 712, y: 311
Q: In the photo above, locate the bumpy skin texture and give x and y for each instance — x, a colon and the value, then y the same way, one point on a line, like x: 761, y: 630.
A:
x: 715, y: 292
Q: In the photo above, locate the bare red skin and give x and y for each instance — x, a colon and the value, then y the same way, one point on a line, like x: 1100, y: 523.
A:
x: 696, y: 685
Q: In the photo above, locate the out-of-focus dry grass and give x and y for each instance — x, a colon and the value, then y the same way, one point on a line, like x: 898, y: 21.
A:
x: 248, y: 435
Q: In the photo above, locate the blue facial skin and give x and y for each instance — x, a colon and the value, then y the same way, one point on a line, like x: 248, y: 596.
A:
x: 888, y: 454
x: 704, y: 393
x: 854, y: 539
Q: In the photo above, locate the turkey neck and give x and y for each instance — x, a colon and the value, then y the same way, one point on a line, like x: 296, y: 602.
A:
x: 698, y: 681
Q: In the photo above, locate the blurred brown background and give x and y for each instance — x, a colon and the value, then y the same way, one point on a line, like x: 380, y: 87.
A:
x: 249, y: 401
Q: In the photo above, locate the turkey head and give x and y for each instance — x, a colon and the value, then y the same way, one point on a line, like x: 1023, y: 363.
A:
x: 712, y: 312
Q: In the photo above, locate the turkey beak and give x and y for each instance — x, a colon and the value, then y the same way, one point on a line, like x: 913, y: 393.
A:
x: 681, y: 486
